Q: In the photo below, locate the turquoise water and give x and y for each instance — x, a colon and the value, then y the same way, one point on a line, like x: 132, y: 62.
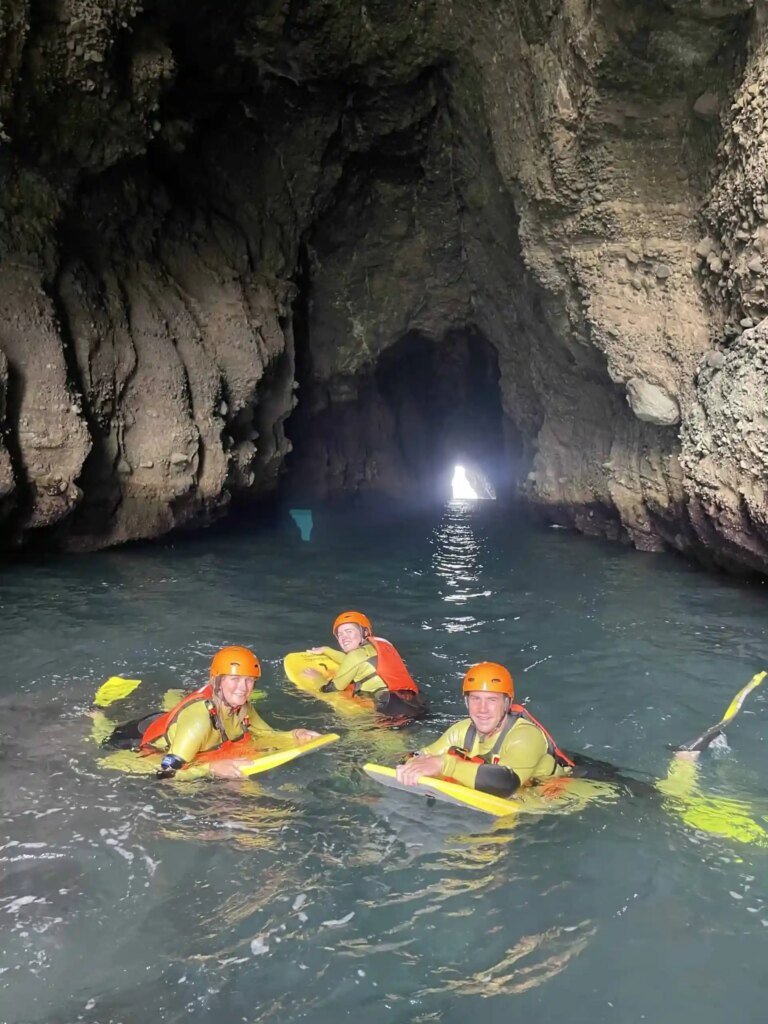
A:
x: 315, y: 895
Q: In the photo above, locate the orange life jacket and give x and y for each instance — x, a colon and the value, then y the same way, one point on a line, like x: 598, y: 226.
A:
x: 158, y: 730
x: 516, y: 711
x: 391, y: 667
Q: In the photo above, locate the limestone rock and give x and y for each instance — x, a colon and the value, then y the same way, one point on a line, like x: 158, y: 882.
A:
x: 518, y: 179
x: 725, y: 451
x: 705, y: 247
x: 707, y: 107
x: 651, y: 403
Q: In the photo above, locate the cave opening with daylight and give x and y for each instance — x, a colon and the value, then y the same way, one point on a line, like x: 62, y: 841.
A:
x: 469, y: 484
x: 427, y: 406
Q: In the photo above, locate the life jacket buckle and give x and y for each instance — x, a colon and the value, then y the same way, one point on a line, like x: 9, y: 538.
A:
x: 464, y: 755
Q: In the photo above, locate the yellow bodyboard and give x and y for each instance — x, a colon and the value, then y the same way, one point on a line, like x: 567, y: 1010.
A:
x: 558, y: 796
x: 140, y: 764
x: 441, y: 789
x: 278, y: 757
x: 344, y: 703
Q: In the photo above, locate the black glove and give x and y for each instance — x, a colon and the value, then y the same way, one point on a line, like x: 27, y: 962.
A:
x: 169, y: 766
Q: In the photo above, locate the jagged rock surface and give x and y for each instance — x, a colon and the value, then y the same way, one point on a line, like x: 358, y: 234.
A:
x: 581, y: 186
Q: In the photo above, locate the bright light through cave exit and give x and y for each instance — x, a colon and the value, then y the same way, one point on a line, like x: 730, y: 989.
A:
x: 460, y: 486
x: 470, y: 484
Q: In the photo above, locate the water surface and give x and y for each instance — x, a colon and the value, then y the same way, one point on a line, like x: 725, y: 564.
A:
x: 313, y: 894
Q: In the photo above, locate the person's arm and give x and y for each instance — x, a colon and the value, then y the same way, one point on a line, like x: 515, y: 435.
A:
x: 429, y: 760
x: 189, y: 734
x: 330, y: 652
x: 452, y: 737
x: 520, y: 755
x: 264, y: 734
x: 495, y: 779
x: 353, y: 665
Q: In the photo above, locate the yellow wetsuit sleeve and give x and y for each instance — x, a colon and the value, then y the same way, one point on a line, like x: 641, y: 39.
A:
x: 262, y: 732
x: 453, y: 737
x: 355, y: 667
x: 335, y: 656
x: 192, y: 732
x: 460, y: 771
x: 524, y: 751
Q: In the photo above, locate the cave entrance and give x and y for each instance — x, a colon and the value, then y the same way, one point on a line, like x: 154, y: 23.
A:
x: 427, y: 406
x: 445, y: 400
x: 469, y: 484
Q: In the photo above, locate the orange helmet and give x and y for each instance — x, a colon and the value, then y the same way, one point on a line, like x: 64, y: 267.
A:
x: 356, y: 618
x: 235, y: 661
x: 489, y: 677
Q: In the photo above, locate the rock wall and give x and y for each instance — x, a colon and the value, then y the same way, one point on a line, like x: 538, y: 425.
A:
x: 203, y: 211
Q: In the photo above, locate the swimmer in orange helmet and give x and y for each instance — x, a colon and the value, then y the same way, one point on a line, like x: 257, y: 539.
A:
x: 215, y: 727
x: 373, y: 668
x: 499, y: 748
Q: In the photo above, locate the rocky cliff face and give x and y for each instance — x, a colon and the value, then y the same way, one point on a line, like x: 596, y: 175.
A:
x: 204, y: 207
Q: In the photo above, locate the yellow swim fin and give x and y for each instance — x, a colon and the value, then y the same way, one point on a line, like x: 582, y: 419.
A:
x: 102, y: 727
x: 735, y: 706
x: 115, y: 688
x: 702, y: 742
x: 173, y: 697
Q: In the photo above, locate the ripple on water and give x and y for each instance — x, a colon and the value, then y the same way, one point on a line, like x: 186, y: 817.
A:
x: 314, y: 893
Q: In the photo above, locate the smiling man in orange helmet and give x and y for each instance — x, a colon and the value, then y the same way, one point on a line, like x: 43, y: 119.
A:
x: 214, y: 727
x: 499, y: 748
x: 373, y: 668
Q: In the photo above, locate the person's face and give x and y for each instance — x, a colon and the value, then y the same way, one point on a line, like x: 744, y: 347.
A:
x: 486, y: 710
x: 236, y: 689
x: 349, y: 636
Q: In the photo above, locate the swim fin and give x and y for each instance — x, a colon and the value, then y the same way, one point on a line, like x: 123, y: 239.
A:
x: 116, y: 688
x: 703, y: 741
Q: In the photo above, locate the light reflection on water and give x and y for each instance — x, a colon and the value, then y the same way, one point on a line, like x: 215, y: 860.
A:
x: 314, y: 893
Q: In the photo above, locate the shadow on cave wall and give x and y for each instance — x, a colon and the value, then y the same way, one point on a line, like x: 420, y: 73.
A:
x: 399, y: 431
